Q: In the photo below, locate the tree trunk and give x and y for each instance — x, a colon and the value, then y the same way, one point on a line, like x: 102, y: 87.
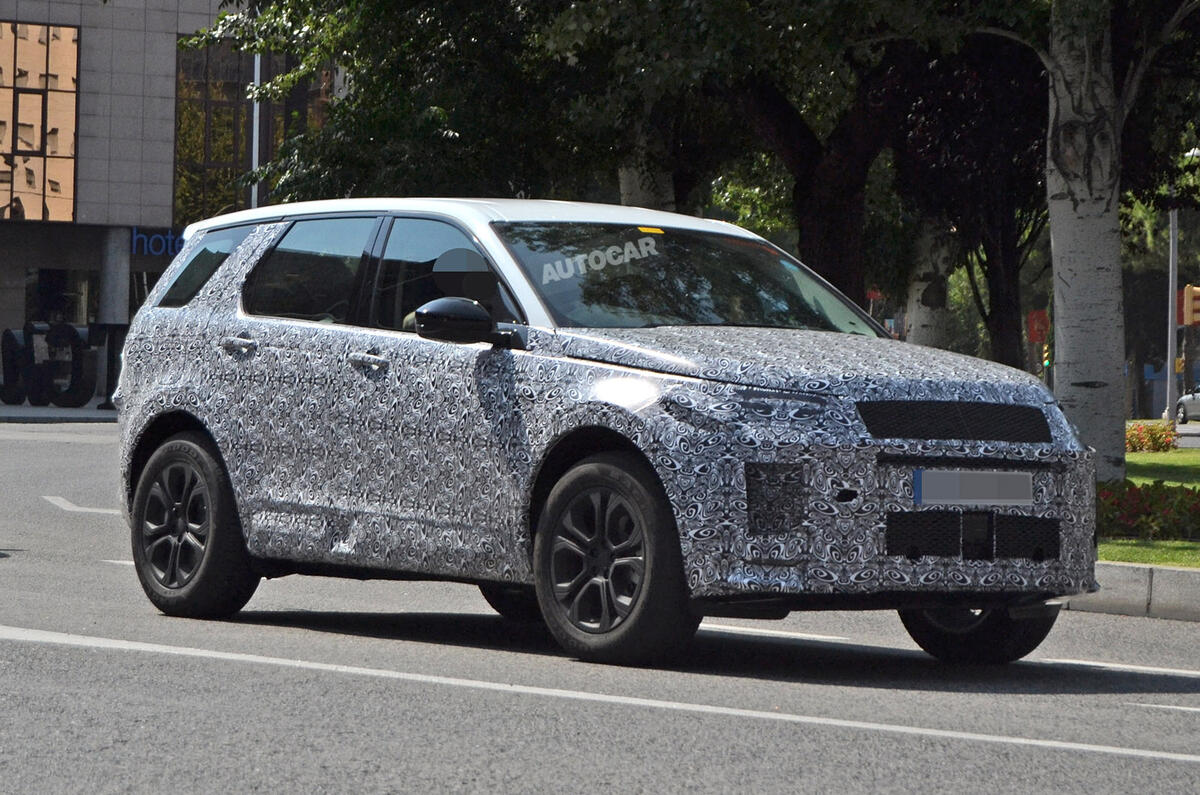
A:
x: 643, y: 181
x: 830, y: 221
x: 1003, y: 274
x: 927, y: 319
x: 831, y: 175
x: 1083, y: 188
x: 645, y: 187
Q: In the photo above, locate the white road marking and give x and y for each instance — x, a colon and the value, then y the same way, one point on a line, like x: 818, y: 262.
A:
x: 1162, y: 706
x: 1125, y: 668
x: 63, y: 639
x: 770, y: 633
x: 119, y: 562
x: 67, y: 505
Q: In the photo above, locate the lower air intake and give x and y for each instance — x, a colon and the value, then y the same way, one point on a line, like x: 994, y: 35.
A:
x: 971, y: 535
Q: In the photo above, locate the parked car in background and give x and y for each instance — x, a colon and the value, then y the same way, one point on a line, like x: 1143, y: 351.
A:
x: 611, y: 419
x: 1188, y: 406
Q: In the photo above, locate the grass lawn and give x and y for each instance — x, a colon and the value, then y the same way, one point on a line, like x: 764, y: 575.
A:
x: 1180, y: 466
x: 1158, y: 553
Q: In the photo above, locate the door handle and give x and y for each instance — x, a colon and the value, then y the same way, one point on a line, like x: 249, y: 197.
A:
x: 368, y: 361
x: 239, y: 344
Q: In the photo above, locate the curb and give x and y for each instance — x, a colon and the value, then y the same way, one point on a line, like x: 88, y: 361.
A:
x: 89, y: 413
x: 1133, y: 589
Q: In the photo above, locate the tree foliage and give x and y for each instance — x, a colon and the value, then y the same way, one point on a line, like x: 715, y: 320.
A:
x: 439, y: 98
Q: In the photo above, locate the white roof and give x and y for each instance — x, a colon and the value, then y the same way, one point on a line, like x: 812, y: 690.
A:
x: 479, y: 211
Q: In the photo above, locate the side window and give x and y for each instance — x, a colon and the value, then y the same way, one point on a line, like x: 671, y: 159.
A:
x: 312, y: 272
x: 213, y: 249
x: 424, y: 260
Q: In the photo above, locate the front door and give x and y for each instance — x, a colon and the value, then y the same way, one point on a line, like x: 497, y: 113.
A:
x: 450, y: 444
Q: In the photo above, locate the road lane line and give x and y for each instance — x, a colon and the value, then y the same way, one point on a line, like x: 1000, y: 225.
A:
x: 119, y: 562
x: 770, y: 633
x: 67, y: 505
x: 1124, y: 667
x: 1162, y: 706
x: 63, y: 639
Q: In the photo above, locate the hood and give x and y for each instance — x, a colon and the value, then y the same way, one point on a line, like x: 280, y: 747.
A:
x: 818, y: 362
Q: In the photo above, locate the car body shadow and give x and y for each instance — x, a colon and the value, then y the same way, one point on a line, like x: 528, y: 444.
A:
x: 745, y: 656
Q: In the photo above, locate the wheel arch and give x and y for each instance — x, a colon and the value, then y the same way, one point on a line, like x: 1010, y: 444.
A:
x: 568, y: 450
x: 156, y: 432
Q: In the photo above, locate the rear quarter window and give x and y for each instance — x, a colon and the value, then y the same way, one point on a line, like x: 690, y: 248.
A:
x: 215, y: 247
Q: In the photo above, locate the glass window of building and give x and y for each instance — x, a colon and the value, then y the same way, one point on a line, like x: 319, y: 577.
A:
x: 39, y: 65
x: 214, y: 127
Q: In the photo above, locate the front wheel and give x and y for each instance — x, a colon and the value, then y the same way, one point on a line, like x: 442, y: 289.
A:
x: 187, y: 541
x: 607, y: 564
x: 990, y: 636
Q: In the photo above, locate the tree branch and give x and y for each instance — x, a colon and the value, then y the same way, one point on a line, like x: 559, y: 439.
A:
x: 1033, y: 230
x: 1043, y: 55
x: 781, y: 126
x: 983, y: 313
x: 1137, y: 70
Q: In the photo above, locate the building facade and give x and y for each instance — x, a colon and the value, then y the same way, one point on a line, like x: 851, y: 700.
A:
x: 112, y: 139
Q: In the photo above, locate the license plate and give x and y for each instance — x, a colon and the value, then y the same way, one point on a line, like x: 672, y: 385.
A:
x: 971, y: 487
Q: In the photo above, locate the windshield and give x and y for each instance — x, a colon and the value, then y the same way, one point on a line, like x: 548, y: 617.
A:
x: 619, y: 276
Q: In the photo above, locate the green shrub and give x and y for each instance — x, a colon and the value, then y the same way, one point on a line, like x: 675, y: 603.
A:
x: 1154, y: 511
x: 1154, y: 437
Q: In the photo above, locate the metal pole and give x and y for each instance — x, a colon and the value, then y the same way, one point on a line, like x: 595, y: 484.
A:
x: 1172, y: 321
x: 254, y: 142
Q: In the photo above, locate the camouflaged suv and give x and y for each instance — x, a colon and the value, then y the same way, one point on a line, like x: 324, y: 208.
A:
x: 610, y: 419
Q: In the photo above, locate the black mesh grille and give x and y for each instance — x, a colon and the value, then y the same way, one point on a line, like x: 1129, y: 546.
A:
x: 948, y: 419
x: 775, y: 498
x: 914, y: 535
x: 972, y: 535
x: 1027, y: 537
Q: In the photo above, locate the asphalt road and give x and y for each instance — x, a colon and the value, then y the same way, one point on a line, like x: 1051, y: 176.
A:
x: 327, y: 684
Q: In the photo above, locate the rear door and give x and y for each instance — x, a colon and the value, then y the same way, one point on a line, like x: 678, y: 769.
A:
x: 289, y: 353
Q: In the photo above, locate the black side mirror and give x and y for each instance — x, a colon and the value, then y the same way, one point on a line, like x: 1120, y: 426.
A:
x: 455, y: 320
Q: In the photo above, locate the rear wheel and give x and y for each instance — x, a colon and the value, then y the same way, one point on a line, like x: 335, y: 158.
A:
x: 988, y: 636
x: 188, y: 548
x: 1181, y: 414
x: 607, y: 564
x: 517, y: 603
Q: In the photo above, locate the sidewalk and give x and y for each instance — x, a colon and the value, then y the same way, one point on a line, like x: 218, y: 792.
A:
x: 27, y: 413
x: 1133, y: 589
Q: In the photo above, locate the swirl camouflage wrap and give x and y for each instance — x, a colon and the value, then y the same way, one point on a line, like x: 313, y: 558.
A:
x: 382, y: 450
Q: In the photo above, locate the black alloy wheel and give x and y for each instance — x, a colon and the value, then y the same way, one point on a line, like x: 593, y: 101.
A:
x: 188, y: 548
x: 176, y: 524
x: 607, y: 564
x: 599, y: 560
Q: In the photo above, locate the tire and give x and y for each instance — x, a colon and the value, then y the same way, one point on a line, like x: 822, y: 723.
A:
x: 517, y: 603
x: 607, y: 566
x: 977, y: 637
x: 1181, y: 414
x: 187, y: 541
